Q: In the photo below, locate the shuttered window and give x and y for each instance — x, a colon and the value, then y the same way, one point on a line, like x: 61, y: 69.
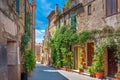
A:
x: 17, y: 6
x: 73, y: 22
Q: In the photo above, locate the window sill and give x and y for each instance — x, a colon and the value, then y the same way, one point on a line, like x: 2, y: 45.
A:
x: 112, y: 15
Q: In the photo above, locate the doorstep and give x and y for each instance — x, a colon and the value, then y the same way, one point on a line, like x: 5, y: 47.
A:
x: 84, y: 73
x: 87, y: 74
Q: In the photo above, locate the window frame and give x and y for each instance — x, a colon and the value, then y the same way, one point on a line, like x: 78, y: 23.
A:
x: 111, y: 8
x: 89, y: 7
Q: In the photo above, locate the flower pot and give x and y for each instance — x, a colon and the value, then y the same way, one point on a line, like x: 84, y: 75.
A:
x: 24, y: 76
x: 92, y: 75
x: 80, y: 72
x: 65, y: 68
x: 29, y: 74
x: 58, y: 67
x: 99, y: 75
x: 117, y: 78
x: 69, y: 69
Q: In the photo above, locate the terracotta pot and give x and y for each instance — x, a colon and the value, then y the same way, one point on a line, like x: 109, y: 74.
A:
x: 92, y: 75
x: 99, y: 75
x: 69, y: 70
x: 80, y: 72
x: 65, y: 68
x: 58, y: 67
x: 29, y: 74
x: 117, y: 78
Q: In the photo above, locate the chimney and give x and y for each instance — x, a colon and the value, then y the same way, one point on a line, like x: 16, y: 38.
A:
x: 56, y: 9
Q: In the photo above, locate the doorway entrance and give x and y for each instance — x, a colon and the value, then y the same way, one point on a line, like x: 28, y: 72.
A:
x: 90, y: 53
x: 75, y: 57
x: 112, y: 62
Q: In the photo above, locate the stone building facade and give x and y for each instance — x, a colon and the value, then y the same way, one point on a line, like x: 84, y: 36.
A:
x: 91, y: 15
x: 38, y: 51
x: 33, y: 9
x: 12, y: 22
x: 50, y: 31
x: 45, y: 54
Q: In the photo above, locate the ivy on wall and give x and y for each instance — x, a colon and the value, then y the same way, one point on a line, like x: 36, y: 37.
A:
x: 62, y: 39
x: 28, y: 55
x: 27, y: 34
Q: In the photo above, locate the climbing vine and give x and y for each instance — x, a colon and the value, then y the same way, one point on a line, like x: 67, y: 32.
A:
x: 61, y: 41
x: 27, y: 34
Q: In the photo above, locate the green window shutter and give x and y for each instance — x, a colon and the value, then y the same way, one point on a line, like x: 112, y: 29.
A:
x: 17, y: 7
x: 73, y: 22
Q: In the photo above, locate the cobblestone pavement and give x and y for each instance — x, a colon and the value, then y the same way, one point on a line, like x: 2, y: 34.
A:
x: 42, y: 72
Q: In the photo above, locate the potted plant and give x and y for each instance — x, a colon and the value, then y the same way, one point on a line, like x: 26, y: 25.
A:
x: 98, y: 61
x: 81, y: 69
x: 98, y: 69
x: 29, y: 61
x: 117, y: 76
x: 91, y: 71
x: 58, y: 65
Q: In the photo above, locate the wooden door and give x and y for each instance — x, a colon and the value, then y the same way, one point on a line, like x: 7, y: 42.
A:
x: 76, y: 58
x: 112, y: 62
x: 90, y: 53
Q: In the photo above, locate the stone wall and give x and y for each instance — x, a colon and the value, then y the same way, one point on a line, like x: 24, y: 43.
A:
x: 93, y: 21
x: 3, y: 63
x: 97, y: 20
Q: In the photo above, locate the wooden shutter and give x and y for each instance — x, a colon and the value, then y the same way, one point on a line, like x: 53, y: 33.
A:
x: 118, y: 5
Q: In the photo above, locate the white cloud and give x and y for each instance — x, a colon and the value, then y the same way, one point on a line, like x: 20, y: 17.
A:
x: 39, y: 40
x: 39, y: 35
x: 42, y: 31
x: 38, y: 31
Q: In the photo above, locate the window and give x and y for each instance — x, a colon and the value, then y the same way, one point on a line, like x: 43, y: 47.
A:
x: 17, y: 6
x: 73, y: 22
x: 89, y: 10
x: 111, y: 7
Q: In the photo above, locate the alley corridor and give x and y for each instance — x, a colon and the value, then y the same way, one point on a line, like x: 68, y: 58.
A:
x: 42, y: 72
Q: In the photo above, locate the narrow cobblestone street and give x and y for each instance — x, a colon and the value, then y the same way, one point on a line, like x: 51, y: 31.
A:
x: 47, y: 73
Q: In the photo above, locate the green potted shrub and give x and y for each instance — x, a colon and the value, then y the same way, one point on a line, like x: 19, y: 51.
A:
x: 81, y: 69
x: 29, y: 61
x: 91, y: 71
x: 98, y: 61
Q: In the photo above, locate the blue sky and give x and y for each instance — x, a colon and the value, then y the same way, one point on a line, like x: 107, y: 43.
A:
x: 43, y: 8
